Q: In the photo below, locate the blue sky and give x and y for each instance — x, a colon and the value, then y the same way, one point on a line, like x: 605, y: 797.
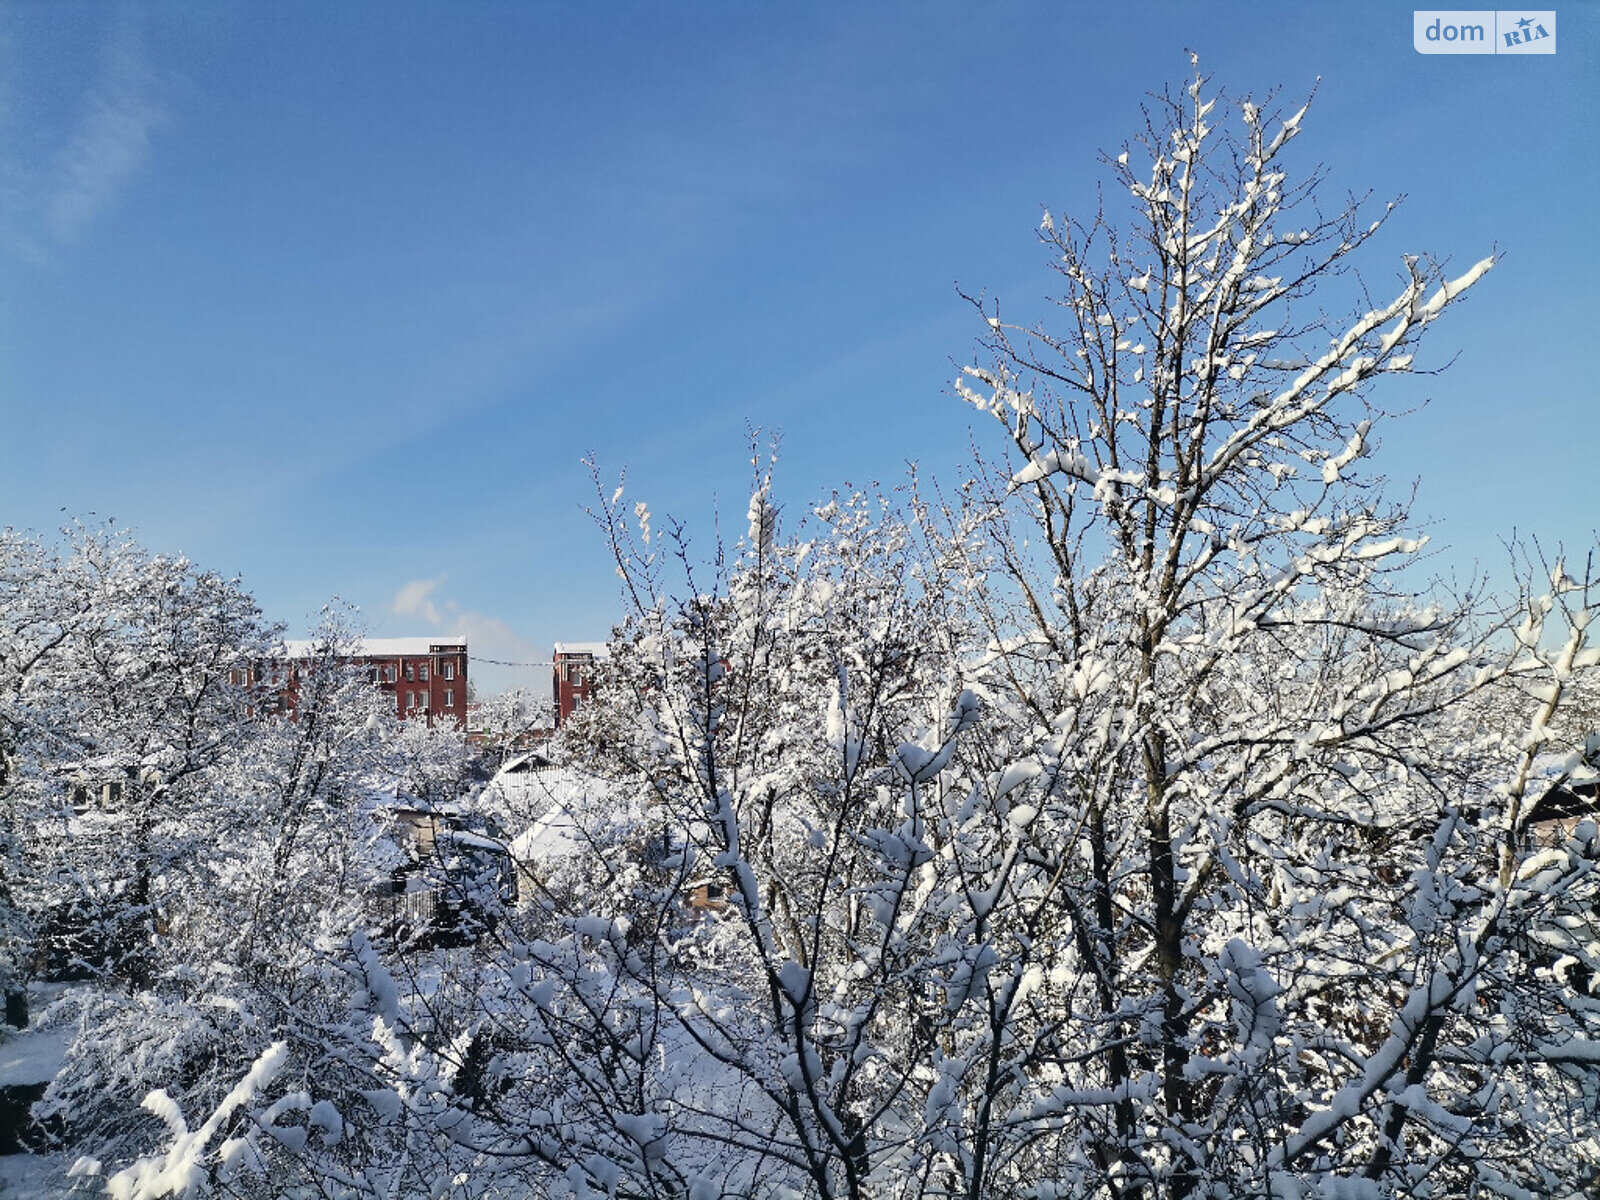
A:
x: 338, y: 297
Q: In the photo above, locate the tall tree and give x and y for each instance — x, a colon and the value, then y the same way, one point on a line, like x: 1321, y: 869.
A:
x: 1265, y: 749
x: 123, y: 684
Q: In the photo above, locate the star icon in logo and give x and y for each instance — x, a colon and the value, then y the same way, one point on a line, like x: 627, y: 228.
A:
x: 1524, y: 23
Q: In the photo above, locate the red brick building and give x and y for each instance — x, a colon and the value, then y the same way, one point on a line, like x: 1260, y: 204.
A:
x: 426, y: 676
x: 573, y: 679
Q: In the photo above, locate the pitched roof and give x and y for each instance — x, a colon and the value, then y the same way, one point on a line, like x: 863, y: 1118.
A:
x: 1566, y: 801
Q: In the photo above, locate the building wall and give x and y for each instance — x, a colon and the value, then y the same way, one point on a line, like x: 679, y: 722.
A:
x: 432, y: 684
x: 572, y: 681
x: 424, y: 678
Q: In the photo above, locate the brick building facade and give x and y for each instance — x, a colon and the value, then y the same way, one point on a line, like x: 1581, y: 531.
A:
x: 426, y: 676
x: 573, y: 678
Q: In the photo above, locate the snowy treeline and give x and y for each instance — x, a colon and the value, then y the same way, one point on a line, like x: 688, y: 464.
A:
x: 169, y: 834
x: 1119, y: 823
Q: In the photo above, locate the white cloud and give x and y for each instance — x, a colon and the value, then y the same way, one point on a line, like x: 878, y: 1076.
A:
x: 415, y: 600
x: 109, y: 143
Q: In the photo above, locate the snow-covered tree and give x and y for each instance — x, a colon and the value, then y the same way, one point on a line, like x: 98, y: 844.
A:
x: 1127, y: 824
x: 172, y: 833
x: 298, y: 837
x: 36, y: 618
x: 1198, y: 873
x: 505, y: 722
x: 124, y: 686
x: 1285, y: 851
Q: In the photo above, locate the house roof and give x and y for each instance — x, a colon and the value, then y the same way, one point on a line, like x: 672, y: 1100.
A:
x: 597, y: 649
x: 384, y: 647
x: 1565, y: 801
x: 530, y: 760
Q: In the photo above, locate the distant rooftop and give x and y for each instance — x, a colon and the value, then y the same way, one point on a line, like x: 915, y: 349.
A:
x: 598, y: 649
x: 384, y: 647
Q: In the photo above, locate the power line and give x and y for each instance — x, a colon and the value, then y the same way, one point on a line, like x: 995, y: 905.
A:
x: 496, y: 662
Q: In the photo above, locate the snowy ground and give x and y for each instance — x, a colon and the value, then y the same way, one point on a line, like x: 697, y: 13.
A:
x: 34, y: 1055
x: 25, y: 1176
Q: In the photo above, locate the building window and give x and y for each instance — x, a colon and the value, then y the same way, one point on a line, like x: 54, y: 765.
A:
x: 449, y: 670
x: 388, y: 673
x: 449, y: 697
x: 411, y: 673
x: 422, y: 673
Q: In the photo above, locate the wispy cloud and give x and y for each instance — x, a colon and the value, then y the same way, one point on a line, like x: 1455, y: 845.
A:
x: 83, y: 136
x: 109, y: 143
x: 413, y: 600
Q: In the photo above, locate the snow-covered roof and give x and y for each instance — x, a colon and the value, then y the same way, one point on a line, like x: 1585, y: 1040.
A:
x: 529, y: 760
x: 567, y: 801
x: 383, y: 647
x: 553, y: 836
x: 467, y: 840
x: 1565, y: 802
x: 598, y: 649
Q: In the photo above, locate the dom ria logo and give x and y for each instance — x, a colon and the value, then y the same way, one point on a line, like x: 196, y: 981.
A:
x: 1483, y: 31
